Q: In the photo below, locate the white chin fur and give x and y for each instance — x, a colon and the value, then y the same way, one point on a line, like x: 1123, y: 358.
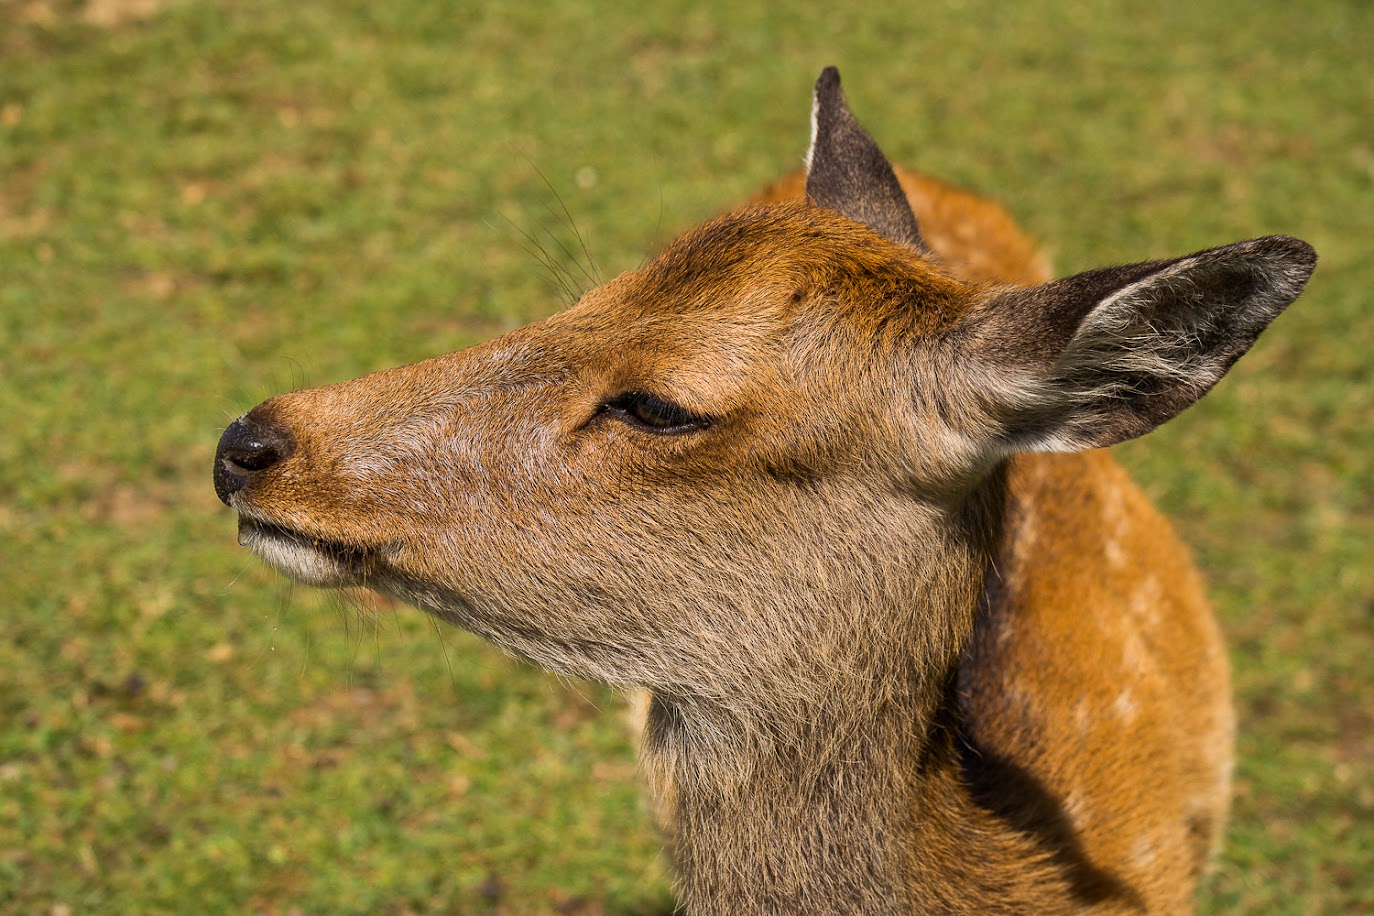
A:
x: 294, y: 558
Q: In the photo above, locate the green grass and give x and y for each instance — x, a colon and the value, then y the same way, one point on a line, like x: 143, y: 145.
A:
x: 216, y: 201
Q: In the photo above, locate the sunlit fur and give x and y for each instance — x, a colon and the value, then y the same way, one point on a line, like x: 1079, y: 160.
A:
x: 889, y: 662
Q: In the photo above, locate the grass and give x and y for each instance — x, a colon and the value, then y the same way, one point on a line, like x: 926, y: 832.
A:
x: 203, y: 203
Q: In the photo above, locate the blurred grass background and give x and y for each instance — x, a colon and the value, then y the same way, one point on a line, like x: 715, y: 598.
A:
x: 204, y: 202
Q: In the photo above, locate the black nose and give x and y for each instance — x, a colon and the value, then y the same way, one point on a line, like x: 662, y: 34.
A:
x: 247, y: 448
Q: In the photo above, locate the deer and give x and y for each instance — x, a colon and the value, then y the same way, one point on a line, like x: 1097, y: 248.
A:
x: 825, y: 485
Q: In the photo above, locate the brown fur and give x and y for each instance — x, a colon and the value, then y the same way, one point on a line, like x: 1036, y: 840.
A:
x: 973, y: 235
x: 887, y: 668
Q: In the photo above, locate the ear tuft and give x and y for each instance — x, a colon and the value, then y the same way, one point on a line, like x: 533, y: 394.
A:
x: 848, y: 173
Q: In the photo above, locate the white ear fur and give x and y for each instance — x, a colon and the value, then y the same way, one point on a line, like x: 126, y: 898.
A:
x: 815, y: 129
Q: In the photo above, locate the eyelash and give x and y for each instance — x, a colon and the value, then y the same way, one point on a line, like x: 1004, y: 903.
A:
x: 653, y: 414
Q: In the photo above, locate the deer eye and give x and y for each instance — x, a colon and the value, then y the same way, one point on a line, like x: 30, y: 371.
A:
x: 653, y: 414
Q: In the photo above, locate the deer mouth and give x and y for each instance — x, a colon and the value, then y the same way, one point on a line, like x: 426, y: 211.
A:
x: 304, y: 558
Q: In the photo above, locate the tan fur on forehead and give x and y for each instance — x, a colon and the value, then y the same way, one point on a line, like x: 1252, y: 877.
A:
x: 763, y: 257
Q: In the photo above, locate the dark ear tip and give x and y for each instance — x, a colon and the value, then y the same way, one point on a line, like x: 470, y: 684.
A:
x: 828, y: 81
x: 1294, y: 249
x: 1295, y: 258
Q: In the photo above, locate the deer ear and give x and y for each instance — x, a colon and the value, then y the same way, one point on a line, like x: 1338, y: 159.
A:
x: 1108, y: 355
x: 846, y: 172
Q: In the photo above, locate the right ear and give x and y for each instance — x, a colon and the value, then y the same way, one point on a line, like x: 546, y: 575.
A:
x: 1110, y: 354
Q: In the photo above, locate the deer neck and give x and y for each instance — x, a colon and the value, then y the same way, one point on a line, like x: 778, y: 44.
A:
x: 824, y: 813
x: 783, y: 832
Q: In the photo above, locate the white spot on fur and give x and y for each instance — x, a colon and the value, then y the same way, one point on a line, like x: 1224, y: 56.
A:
x: 1116, y: 556
x: 1135, y: 654
x: 1116, y: 521
x: 1083, y: 715
x: 1147, y: 599
x: 1125, y: 706
x: 1144, y: 854
x: 1005, y: 632
x: 1225, y: 770
x: 1076, y: 809
x: 1028, y: 530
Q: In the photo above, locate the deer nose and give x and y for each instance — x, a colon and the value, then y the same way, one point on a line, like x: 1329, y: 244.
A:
x: 247, y: 448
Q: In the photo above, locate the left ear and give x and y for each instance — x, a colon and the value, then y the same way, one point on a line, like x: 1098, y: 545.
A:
x: 1110, y: 354
x: 848, y: 173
